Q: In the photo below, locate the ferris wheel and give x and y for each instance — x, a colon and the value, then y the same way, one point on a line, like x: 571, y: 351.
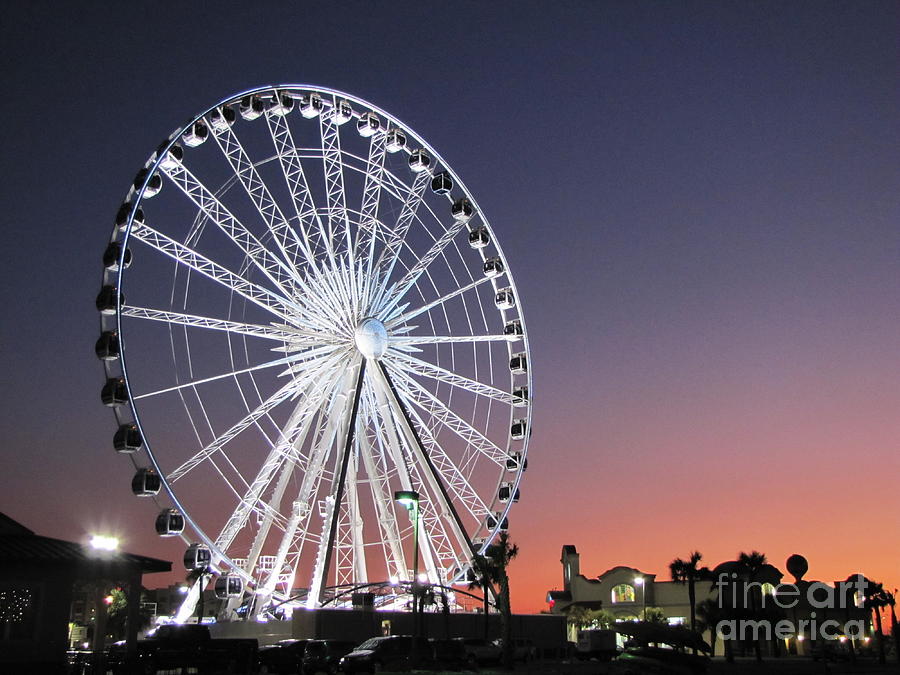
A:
x: 303, y: 313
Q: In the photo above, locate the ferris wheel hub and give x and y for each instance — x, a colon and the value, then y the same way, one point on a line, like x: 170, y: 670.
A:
x: 371, y: 338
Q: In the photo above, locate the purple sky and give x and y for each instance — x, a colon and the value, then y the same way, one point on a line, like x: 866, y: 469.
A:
x: 700, y: 203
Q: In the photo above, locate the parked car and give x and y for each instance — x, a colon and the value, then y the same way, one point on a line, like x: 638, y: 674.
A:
x: 480, y: 652
x: 391, y: 652
x: 446, y: 655
x: 284, y: 658
x: 187, y: 646
x: 523, y: 649
x: 322, y: 657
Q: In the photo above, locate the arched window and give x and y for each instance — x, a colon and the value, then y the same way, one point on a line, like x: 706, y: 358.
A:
x: 623, y: 593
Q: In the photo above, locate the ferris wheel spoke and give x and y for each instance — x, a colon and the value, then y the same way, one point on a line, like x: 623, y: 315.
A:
x: 379, y: 485
x: 432, y: 478
x: 415, y: 366
x: 392, y: 319
x: 281, y: 452
x: 289, y: 390
x: 273, y: 268
x: 334, y: 179
x: 432, y: 405
x: 237, y: 327
x: 262, y: 297
x: 391, y: 252
x: 402, y: 287
x: 411, y: 340
x: 456, y: 480
x: 294, y: 175
x: 392, y: 441
x: 233, y: 373
x: 347, y: 432
x: 249, y: 420
x: 368, y: 221
x: 259, y: 194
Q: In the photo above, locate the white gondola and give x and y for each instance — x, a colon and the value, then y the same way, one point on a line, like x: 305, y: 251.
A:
x: 127, y: 439
x: 195, y: 135
x: 395, y: 140
x: 280, y: 104
x: 518, y: 363
x: 169, y: 523
x: 197, y: 557
x: 514, y: 460
x: 520, y: 396
x: 493, y: 267
x: 124, y: 212
x: 251, y: 107
x: 221, y: 118
x: 517, y: 430
x: 146, y: 483
x: 506, y: 493
x: 229, y: 586
x: 114, y: 392
x: 113, y: 253
x: 479, y: 237
x: 462, y: 209
x: 513, y: 328
x: 367, y: 124
x: 107, y: 347
x: 106, y: 300
x: 343, y: 112
x: 504, y: 298
x: 441, y: 183
x: 171, y: 157
x: 154, y: 184
x: 419, y: 160
x: 310, y: 105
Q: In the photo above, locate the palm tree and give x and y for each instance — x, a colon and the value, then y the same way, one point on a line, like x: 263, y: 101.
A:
x: 687, y: 572
x: 875, y: 599
x: 490, y: 570
x: 481, y: 580
x: 710, y: 614
x: 752, y: 564
x: 895, y: 629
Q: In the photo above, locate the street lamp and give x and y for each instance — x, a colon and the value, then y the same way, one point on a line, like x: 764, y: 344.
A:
x: 639, y: 581
x: 410, y: 500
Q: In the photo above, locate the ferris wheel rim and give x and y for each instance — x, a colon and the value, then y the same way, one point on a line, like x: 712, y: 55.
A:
x: 138, y: 199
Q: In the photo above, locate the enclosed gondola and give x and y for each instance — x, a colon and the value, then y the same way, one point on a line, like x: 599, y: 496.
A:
x: 114, y: 392
x: 197, y: 557
x: 127, y: 439
x: 146, y: 483
x: 169, y: 523
x: 195, y: 135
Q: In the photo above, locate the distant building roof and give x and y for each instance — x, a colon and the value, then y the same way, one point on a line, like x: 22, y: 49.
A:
x: 18, y: 544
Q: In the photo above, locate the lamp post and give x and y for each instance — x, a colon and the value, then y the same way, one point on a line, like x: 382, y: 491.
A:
x: 639, y: 581
x: 410, y: 500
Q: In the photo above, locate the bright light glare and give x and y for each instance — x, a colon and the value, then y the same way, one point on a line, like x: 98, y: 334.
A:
x: 639, y: 581
x: 423, y: 577
x: 394, y: 580
x: 103, y: 543
x: 182, y: 589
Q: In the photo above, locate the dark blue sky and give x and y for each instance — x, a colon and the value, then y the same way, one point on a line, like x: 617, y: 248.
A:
x: 700, y: 202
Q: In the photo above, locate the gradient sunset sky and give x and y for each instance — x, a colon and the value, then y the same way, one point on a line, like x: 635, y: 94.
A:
x: 700, y: 203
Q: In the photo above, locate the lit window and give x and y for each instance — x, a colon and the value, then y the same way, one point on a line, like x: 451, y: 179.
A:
x: 623, y: 593
x: 677, y: 620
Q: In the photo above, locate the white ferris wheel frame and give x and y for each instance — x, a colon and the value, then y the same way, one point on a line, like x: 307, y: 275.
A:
x: 387, y: 383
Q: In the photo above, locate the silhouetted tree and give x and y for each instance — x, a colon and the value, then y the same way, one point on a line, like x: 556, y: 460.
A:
x: 687, y: 572
x: 875, y: 599
x: 752, y: 564
x: 491, y: 571
x: 710, y: 614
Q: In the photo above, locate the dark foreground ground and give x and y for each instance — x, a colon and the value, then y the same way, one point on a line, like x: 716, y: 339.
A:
x: 786, y: 666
